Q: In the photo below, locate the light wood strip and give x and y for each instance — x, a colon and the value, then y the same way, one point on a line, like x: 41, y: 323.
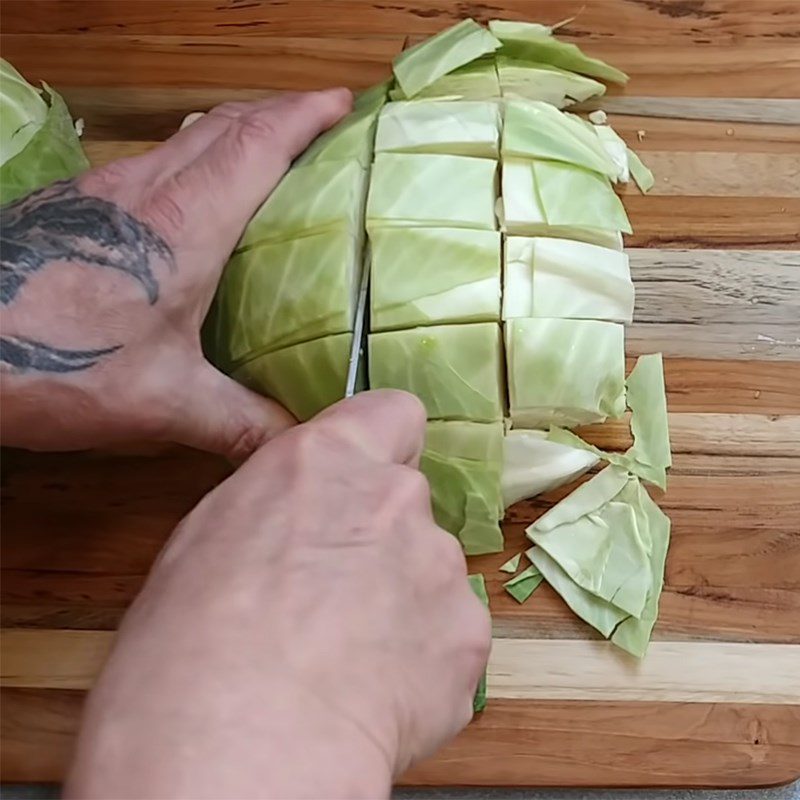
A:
x: 521, y: 669
x: 512, y: 743
x: 674, y: 70
x: 723, y: 21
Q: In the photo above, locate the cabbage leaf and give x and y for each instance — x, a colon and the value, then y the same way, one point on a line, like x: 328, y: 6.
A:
x: 522, y: 586
x: 641, y: 174
x: 474, y: 81
x: 478, y: 585
x: 512, y: 565
x: 544, y: 82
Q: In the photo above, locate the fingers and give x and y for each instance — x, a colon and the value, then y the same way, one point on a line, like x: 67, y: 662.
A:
x: 388, y: 425
x: 221, y: 416
x: 221, y: 188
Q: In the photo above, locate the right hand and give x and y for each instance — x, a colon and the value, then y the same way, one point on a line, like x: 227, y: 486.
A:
x: 307, y: 612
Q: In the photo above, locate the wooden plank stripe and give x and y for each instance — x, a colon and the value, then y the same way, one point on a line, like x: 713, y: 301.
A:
x: 522, y: 669
x: 512, y: 743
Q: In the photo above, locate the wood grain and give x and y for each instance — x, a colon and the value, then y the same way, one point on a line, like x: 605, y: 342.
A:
x: 613, y: 744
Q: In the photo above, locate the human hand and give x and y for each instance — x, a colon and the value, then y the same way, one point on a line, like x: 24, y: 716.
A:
x: 107, y: 279
x: 307, y: 632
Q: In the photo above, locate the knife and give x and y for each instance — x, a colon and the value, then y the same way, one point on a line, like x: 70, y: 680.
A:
x: 355, y: 370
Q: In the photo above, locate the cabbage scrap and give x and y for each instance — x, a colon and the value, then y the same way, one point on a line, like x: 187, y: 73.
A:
x: 512, y: 565
x: 426, y: 62
x: 478, y: 585
x: 427, y: 276
x: 641, y: 174
x: 522, y: 586
x: 547, y: 277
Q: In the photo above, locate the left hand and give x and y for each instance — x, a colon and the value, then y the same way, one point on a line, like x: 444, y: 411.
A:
x: 107, y: 279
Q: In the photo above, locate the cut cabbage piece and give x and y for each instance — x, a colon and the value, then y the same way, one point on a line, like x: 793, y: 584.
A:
x: 455, y: 370
x: 616, y: 148
x: 545, y: 82
x: 282, y: 293
x: 462, y: 461
x: 474, y: 81
x: 525, y: 584
x: 38, y: 140
x: 571, y: 196
x: 305, y: 378
x: 478, y: 585
x: 469, y: 128
x: 538, y: 130
x: 512, y: 565
x: 650, y: 455
x: 310, y: 199
x: 352, y: 137
x: 426, y: 62
x: 532, y: 464
x: 564, y: 372
x: 532, y: 42
x: 641, y: 174
x: 521, y: 210
x: 547, y: 277
x: 425, y: 276
x: 413, y: 190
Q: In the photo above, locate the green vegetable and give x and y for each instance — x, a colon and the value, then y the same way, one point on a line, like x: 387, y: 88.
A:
x: 474, y: 81
x: 423, y: 64
x: 38, y: 140
x: 641, y: 174
x: 519, y: 78
x: 424, y: 276
x: 478, y: 585
x: 424, y: 190
x: 512, y: 565
x: 564, y: 372
x: 456, y: 370
x: 525, y: 584
x: 305, y: 377
x: 532, y: 42
x: 469, y: 128
x: 547, y: 277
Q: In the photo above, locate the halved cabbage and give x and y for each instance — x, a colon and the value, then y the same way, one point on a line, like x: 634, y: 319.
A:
x: 546, y: 277
x: 425, y: 276
x: 455, y: 370
x: 470, y: 128
x: 564, y: 372
x: 414, y: 190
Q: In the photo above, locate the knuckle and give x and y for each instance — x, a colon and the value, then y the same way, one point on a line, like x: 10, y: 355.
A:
x: 447, y: 553
x: 411, y: 484
x: 108, y: 180
x: 164, y: 211
x: 407, y: 407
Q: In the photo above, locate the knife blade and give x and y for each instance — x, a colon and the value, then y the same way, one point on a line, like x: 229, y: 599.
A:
x: 355, y: 374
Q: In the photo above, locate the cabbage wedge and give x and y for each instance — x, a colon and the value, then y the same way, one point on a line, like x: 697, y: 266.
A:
x: 564, y: 372
x: 438, y: 191
x: 474, y: 81
x: 455, y: 370
x: 545, y: 82
x: 428, y: 276
x: 470, y: 128
x: 546, y: 277
x: 426, y: 62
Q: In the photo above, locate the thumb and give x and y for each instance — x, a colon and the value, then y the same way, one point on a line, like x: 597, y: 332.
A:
x: 222, y: 416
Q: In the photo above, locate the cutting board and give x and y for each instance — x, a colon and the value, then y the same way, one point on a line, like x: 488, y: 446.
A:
x: 713, y: 107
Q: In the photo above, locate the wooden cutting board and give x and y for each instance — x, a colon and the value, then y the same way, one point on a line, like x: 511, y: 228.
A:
x: 713, y: 108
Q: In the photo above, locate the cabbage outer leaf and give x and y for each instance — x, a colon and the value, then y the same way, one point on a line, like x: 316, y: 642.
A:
x: 22, y: 111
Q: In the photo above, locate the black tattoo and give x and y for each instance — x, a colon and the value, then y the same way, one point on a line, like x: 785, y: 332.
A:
x: 18, y: 354
x: 59, y: 223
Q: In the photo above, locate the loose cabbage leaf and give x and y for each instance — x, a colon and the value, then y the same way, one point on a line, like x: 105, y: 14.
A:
x: 469, y: 128
x: 564, y: 372
x: 421, y: 65
x: 310, y: 199
x: 424, y: 190
x: 544, y: 82
x: 455, y: 370
x: 478, y: 585
x: 641, y: 174
x: 537, y: 130
x: 525, y: 584
x: 281, y: 293
x: 37, y: 151
x: 532, y: 42
x: 305, y: 378
x: 426, y: 276
x: 474, y: 81
x: 546, y: 277
x: 512, y: 565
x: 533, y: 465
x: 616, y: 148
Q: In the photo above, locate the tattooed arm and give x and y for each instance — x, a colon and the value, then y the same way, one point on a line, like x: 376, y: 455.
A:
x: 105, y: 281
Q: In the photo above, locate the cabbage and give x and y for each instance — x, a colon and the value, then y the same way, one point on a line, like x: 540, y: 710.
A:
x: 522, y: 586
x: 532, y: 42
x: 424, y: 276
x: 641, y: 174
x: 512, y: 565
x: 548, y: 381
x: 455, y: 370
x: 423, y: 64
x: 544, y: 82
x: 478, y: 585
x: 547, y: 277
x: 471, y: 128
x: 38, y: 141
x: 407, y: 190
x: 616, y: 149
